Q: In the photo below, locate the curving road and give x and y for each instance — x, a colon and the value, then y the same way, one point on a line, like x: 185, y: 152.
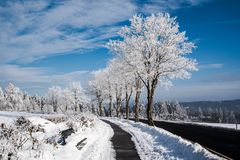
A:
x: 122, y: 143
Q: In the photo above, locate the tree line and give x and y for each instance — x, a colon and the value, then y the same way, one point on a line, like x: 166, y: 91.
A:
x: 56, y: 100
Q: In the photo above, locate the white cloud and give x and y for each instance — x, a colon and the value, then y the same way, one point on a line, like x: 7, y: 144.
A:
x: 38, y: 28
x: 33, y: 29
x: 37, y: 80
x: 155, y: 6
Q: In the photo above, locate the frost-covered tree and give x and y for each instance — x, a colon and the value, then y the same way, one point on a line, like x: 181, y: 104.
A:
x: 26, y: 102
x: 116, y: 72
x: 66, y: 100
x: 35, y: 105
x: 96, y: 87
x: 232, y: 117
x: 72, y: 98
x: 81, y: 100
x: 2, y: 99
x: 138, y: 89
x: 170, y: 111
x: 179, y: 113
x: 54, y: 96
x: 107, y: 87
x: 109, y: 90
x: 161, y: 110
x: 157, y: 52
x: 200, y: 113
x: 122, y: 80
x: 14, y: 98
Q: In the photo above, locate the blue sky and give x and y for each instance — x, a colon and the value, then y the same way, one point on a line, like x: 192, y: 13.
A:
x: 50, y: 42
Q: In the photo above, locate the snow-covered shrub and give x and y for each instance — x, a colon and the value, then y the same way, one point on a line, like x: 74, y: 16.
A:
x: 80, y: 122
x: 19, y: 137
x: 58, y: 119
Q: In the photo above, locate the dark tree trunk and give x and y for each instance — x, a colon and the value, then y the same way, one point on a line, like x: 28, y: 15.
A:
x: 75, y: 108
x: 136, y: 107
x: 54, y: 106
x: 100, y: 100
x: 137, y: 97
x: 118, y: 106
x: 100, y: 108
x: 110, y: 106
x: 149, y: 109
x: 150, y: 94
x: 80, y: 108
x: 127, y: 106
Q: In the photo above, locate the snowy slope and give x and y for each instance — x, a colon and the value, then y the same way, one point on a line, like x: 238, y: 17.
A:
x: 98, y: 145
x: 154, y: 143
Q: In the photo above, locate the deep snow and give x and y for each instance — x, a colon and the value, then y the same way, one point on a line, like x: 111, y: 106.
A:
x: 98, y: 145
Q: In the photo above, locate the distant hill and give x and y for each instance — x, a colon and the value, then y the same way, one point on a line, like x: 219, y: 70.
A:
x: 231, y: 105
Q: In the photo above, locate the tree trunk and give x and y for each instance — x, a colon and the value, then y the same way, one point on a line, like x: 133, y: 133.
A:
x: 150, y: 94
x: 149, y: 109
x: 80, y: 107
x: 110, y: 106
x: 100, y: 100
x: 75, y: 107
x: 54, y: 106
x: 93, y: 109
x: 127, y: 106
x: 137, y: 97
x: 118, y: 106
x: 100, y: 109
x: 136, y: 107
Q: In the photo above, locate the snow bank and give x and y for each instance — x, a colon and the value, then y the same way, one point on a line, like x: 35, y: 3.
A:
x: 153, y: 143
x: 98, y: 144
x: 98, y: 147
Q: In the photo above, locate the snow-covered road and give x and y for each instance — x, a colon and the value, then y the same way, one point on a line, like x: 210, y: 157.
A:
x: 154, y: 143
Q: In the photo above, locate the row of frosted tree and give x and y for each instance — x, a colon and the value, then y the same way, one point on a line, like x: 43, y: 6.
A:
x: 151, y: 52
x: 214, y: 115
x: 56, y: 100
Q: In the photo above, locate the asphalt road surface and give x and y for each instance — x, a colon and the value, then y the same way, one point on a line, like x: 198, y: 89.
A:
x: 122, y: 143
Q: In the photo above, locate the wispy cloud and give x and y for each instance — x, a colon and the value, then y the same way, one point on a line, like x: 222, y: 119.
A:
x: 38, y: 79
x: 38, y: 28
x: 154, y: 6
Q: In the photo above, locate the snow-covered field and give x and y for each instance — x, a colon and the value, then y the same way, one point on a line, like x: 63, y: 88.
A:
x: 98, y: 145
x: 222, y: 125
x: 154, y: 143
